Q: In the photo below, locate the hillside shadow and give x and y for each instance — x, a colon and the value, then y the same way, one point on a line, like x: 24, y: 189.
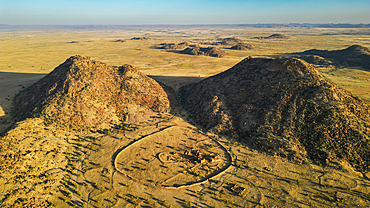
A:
x: 176, y: 82
x: 172, y: 84
x: 325, y: 61
x: 12, y: 83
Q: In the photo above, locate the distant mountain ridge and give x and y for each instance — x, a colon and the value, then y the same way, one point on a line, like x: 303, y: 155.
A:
x: 292, y: 25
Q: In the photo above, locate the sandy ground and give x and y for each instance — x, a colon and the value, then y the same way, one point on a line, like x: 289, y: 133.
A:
x: 146, y: 166
x: 120, y: 169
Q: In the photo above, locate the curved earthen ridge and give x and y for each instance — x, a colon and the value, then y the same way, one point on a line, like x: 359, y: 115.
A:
x: 204, y: 180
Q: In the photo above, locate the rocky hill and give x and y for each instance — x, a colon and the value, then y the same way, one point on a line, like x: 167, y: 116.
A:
x: 284, y: 107
x: 209, y: 51
x: 80, y: 94
x: 235, y: 43
x: 273, y: 36
x: 225, y: 42
x: 119, y: 41
x: 140, y: 38
x: 83, y: 93
x: 173, y: 46
x: 242, y: 46
x: 228, y: 41
x: 354, y: 55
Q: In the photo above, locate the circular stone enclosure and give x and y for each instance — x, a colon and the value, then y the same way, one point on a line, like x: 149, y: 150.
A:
x: 174, y: 157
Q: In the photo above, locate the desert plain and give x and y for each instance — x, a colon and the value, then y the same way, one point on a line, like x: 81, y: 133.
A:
x: 154, y: 163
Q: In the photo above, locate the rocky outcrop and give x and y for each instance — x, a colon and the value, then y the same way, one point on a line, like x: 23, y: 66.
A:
x: 210, y: 51
x: 173, y: 46
x: 273, y: 36
x: 140, y: 38
x: 83, y: 93
x: 227, y: 41
x: 119, y: 41
x: 242, y: 47
x: 284, y: 107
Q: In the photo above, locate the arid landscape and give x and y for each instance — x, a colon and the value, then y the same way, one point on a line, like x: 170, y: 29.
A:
x: 185, y: 116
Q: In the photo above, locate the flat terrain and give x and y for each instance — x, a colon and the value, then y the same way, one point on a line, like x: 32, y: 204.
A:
x: 146, y: 165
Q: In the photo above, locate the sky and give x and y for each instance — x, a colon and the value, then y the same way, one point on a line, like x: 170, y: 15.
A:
x: 143, y: 12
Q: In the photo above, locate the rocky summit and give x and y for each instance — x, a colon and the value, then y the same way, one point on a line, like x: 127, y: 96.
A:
x: 83, y: 93
x: 284, y: 107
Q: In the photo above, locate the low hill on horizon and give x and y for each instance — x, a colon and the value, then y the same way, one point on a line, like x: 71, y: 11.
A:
x: 273, y: 36
x: 207, y: 51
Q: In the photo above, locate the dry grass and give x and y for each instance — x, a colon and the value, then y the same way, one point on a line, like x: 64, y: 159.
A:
x: 354, y: 80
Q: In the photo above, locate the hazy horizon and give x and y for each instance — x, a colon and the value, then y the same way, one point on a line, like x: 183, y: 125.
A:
x: 213, y: 24
x: 166, y: 12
